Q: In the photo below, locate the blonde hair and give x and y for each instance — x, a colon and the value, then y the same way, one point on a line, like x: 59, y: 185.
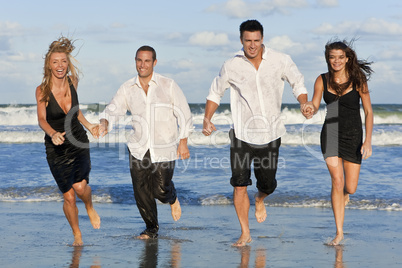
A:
x: 62, y: 45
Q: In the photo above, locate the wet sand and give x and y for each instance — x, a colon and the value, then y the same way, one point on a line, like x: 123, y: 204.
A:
x: 36, y: 234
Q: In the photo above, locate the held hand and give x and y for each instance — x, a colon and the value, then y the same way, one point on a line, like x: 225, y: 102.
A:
x: 307, y: 109
x: 58, y: 138
x: 208, y: 127
x: 94, y: 129
x: 366, y: 150
x: 103, y: 129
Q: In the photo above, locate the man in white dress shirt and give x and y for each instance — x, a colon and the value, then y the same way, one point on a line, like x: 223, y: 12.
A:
x: 255, y: 76
x: 161, y: 123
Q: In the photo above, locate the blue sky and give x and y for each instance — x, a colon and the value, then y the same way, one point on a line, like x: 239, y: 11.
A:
x: 192, y: 40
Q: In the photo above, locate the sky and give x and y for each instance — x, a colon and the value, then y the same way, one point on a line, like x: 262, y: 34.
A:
x: 192, y: 40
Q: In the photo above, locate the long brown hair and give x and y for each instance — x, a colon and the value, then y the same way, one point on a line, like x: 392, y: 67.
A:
x: 62, y: 45
x: 358, y: 71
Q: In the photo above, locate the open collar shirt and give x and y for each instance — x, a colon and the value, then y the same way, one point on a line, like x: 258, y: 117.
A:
x: 159, y: 119
x: 256, y: 95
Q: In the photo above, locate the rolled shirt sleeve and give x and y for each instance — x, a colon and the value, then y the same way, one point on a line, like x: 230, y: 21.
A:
x: 295, y: 79
x: 182, y: 112
x: 117, y: 108
x: 218, y: 87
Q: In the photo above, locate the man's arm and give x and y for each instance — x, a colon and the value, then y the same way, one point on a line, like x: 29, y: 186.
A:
x: 208, y: 127
x: 113, y: 111
x: 182, y: 149
x: 296, y: 80
x: 302, y: 99
x: 182, y: 112
x: 218, y: 87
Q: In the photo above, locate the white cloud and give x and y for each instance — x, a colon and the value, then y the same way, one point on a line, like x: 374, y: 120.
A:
x: 286, y: 3
x: 345, y: 27
x: 184, y: 64
x: 117, y: 25
x: 173, y: 36
x: 328, y: 3
x: 390, y: 54
x: 5, y: 43
x: 24, y: 57
x: 285, y: 44
x: 8, y: 28
x: 385, y: 73
x: 381, y: 27
x: 233, y: 8
x: 6, y: 68
x: 281, y: 43
x: 236, y: 8
x: 242, y: 9
x: 209, y: 39
x: 372, y: 26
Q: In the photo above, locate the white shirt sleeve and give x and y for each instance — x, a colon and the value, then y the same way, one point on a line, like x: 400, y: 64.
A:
x: 116, y: 109
x: 294, y: 78
x: 219, y: 86
x: 182, y: 112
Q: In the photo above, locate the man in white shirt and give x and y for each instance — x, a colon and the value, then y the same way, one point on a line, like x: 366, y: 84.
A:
x: 161, y: 123
x: 255, y: 76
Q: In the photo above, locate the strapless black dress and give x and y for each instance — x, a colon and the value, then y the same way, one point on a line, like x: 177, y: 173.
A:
x: 342, y: 132
x: 69, y: 162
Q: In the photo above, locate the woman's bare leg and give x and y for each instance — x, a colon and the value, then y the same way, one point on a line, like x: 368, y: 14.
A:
x: 345, y: 177
x: 71, y: 211
x: 335, y: 167
x: 84, y: 192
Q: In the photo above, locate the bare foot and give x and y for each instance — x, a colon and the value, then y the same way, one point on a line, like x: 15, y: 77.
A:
x: 143, y: 237
x: 242, y: 241
x: 176, y: 210
x: 78, y: 240
x: 94, y: 218
x: 347, y: 199
x: 336, y: 241
x: 260, y: 211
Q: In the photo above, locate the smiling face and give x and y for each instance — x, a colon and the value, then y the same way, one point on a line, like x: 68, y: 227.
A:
x: 252, y: 44
x: 144, y: 64
x: 337, y: 60
x: 58, y: 65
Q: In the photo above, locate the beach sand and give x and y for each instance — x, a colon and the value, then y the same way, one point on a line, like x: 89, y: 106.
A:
x: 36, y: 234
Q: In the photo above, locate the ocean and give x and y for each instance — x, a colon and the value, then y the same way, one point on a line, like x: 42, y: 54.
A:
x: 203, y: 180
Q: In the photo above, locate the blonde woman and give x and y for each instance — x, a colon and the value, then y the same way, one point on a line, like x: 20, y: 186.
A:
x: 66, y: 141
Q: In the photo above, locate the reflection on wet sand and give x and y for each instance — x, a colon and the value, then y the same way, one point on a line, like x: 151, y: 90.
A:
x: 76, y: 257
x: 175, y: 255
x: 149, y: 256
x: 339, y: 257
x: 260, y: 257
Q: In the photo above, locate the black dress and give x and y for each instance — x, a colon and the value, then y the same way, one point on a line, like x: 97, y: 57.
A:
x: 69, y: 162
x: 342, y: 132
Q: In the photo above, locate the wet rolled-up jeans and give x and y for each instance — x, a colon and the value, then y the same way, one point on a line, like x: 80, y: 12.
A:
x: 152, y: 181
x: 265, y: 158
